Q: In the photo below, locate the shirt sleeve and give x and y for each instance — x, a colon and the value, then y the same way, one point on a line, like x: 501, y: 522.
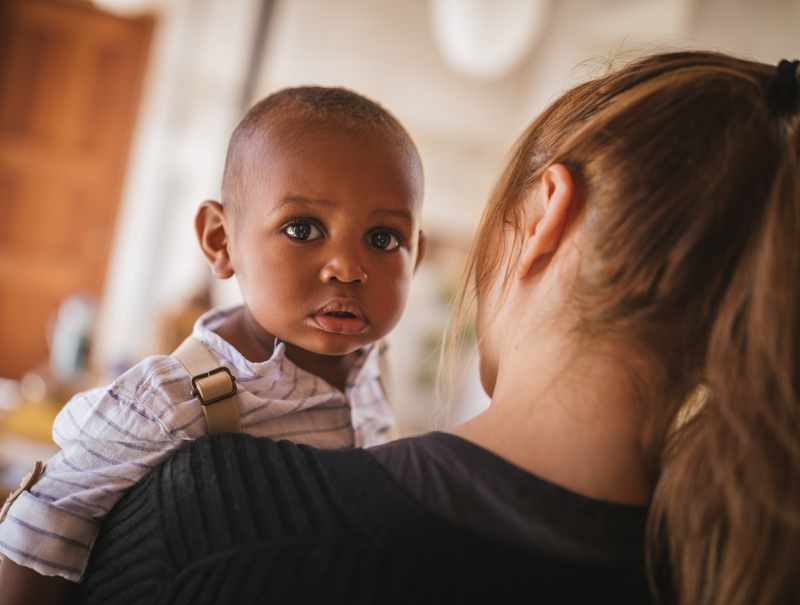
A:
x: 110, y: 438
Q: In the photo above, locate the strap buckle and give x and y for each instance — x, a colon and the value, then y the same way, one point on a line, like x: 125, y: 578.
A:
x: 196, y: 390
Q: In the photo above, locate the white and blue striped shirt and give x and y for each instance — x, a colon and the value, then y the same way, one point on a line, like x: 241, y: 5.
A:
x: 112, y: 437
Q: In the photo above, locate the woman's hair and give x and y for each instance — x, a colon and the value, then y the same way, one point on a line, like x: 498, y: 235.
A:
x: 688, y: 169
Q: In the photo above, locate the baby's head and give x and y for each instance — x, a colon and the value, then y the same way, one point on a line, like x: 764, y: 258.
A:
x: 319, y: 218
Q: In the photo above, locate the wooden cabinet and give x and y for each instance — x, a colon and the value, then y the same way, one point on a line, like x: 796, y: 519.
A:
x: 70, y: 80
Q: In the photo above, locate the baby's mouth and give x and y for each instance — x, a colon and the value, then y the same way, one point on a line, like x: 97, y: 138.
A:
x: 341, y: 316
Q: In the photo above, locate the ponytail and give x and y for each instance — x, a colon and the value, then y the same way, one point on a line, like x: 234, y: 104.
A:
x: 727, y: 505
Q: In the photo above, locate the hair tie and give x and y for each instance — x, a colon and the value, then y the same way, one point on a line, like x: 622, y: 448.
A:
x: 783, y: 93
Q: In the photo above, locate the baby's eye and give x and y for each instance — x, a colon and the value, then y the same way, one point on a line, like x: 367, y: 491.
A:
x: 303, y: 231
x: 383, y: 240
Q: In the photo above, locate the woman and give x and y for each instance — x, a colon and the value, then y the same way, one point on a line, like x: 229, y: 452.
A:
x: 637, y: 275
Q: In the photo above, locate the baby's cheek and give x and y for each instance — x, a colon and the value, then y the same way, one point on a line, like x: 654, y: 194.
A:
x: 394, y: 296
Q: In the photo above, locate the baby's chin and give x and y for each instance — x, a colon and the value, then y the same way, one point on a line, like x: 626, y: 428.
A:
x: 340, y: 335
x: 342, y: 349
x: 334, y: 345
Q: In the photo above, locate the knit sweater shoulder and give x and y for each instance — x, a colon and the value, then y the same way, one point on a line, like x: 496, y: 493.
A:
x: 238, y: 519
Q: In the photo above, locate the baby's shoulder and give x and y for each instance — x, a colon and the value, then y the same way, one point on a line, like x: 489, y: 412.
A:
x: 159, y: 378
x: 150, y: 398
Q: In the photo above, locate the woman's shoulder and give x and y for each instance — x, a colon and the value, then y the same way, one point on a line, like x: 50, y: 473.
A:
x: 473, y: 488
x: 249, y: 519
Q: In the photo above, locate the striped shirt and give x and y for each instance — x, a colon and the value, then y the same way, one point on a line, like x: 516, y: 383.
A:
x: 111, y: 437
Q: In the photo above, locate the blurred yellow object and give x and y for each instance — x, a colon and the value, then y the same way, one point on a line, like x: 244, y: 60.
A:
x: 33, y: 420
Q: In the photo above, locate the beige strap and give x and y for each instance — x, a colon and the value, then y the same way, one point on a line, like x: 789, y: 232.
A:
x: 212, y: 384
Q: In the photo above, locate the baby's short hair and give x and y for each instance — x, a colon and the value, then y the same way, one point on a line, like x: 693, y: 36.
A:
x: 337, y: 106
x: 308, y: 107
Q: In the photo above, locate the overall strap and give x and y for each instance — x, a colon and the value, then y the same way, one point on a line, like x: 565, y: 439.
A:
x: 212, y: 384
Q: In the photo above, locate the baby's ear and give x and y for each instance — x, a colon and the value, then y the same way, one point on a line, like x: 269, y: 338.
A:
x: 210, y: 225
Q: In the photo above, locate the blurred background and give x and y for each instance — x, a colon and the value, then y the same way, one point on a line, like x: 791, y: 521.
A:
x: 114, y: 121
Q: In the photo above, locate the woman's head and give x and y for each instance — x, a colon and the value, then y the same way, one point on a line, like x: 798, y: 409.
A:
x: 688, y: 186
x: 674, y: 155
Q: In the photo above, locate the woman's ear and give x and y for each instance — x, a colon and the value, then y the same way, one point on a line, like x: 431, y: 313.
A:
x: 210, y: 227
x: 553, y: 198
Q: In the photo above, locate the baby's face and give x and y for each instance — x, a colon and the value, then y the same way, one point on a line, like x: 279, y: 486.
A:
x: 325, y: 237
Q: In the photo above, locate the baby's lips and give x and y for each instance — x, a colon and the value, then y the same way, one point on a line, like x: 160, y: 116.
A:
x: 341, y: 307
x: 341, y: 316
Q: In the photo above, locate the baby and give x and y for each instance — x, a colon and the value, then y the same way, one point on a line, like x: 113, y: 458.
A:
x: 320, y: 222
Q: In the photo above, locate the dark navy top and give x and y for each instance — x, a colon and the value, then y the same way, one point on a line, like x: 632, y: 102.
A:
x: 245, y: 520
x: 473, y: 488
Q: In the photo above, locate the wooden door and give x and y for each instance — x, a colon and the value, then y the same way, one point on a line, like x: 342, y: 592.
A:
x: 70, y: 79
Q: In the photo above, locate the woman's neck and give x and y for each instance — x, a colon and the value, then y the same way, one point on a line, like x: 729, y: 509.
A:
x: 570, y: 416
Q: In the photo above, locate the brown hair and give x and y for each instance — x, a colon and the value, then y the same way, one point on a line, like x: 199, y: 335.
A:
x: 690, y: 184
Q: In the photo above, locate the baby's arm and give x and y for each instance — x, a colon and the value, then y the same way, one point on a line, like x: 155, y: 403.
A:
x: 23, y: 586
x: 110, y: 439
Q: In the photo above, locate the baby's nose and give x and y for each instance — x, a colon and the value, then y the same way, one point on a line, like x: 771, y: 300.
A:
x: 345, y: 268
